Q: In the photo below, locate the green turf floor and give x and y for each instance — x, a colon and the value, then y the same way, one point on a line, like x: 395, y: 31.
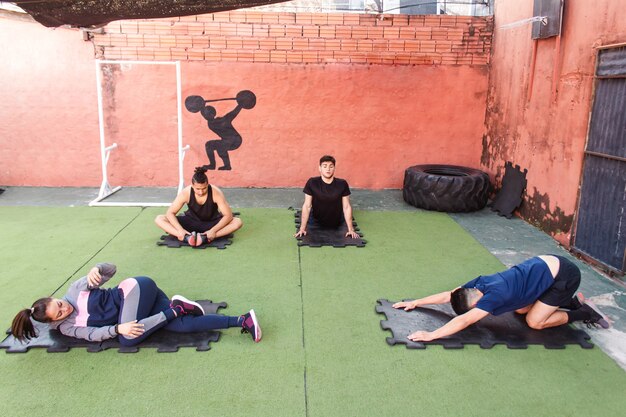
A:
x: 323, y: 352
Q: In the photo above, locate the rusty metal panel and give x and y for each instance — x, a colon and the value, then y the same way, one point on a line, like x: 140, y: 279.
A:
x: 553, y: 11
x: 607, y: 131
x: 601, y: 229
x: 612, y: 62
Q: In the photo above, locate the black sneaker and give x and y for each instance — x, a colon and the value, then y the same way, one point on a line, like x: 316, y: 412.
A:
x: 597, y: 318
x: 250, y: 325
x: 186, y: 306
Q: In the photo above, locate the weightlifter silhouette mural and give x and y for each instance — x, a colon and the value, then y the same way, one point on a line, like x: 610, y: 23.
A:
x: 230, y: 139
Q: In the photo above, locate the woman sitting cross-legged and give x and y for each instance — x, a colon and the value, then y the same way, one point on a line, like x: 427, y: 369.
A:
x: 132, y: 310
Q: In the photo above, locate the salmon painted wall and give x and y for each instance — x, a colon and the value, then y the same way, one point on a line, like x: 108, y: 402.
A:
x: 49, y: 119
x: 375, y: 119
x: 545, y: 131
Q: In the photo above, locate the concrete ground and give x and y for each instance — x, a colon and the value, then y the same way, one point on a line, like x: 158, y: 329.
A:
x: 510, y: 240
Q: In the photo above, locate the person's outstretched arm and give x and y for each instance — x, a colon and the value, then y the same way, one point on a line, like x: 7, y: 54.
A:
x: 98, y: 334
x: 453, y: 326
x: 347, y: 215
x: 441, y: 298
x: 304, y: 215
x: 230, y: 116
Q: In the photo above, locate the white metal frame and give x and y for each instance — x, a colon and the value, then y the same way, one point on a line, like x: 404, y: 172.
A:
x: 105, y: 151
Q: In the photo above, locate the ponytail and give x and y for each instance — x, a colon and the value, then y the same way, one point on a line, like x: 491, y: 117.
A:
x: 22, y: 327
x: 199, y: 176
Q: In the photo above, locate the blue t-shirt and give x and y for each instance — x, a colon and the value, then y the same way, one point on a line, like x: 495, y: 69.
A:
x: 514, y: 288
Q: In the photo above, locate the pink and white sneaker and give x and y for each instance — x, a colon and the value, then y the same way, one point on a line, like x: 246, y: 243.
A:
x: 186, y: 306
x: 250, y: 325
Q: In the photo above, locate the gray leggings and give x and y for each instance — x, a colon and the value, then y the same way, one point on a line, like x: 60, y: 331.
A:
x: 143, y: 301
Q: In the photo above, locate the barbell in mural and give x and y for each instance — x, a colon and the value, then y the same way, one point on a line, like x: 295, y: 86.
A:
x: 230, y: 139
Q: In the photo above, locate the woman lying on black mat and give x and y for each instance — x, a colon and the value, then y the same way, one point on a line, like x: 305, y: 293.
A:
x: 538, y: 287
x: 208, y: 216
x: 133, y: 310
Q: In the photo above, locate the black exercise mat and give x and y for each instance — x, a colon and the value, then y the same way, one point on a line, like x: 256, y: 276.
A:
x: 220, y: 243
x: 509, y: 329
x: 162, y: 340
x: 173, y: 242
x: 317, y: 236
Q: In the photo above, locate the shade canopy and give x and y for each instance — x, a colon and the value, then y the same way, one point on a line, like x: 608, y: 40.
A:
x: 93, y: 13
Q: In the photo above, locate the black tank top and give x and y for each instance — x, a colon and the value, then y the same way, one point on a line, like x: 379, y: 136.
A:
x: 205, y: 212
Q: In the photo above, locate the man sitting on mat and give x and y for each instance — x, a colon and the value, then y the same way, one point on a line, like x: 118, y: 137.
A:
x: 329, y: 199
x: 538, y: 287
x: 208, y: 216
x: 131, y: 311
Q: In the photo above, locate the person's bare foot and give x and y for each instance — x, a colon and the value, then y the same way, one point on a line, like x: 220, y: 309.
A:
x: 200, y: 239
x: 191, y: 239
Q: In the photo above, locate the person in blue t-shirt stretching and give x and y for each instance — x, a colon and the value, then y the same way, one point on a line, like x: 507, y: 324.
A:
x: 539, y: 287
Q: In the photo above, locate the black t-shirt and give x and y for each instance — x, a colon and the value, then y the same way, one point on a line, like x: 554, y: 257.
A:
x: 327, y: 207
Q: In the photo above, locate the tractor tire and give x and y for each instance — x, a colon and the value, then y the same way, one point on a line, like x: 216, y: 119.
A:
x: 448, y: 188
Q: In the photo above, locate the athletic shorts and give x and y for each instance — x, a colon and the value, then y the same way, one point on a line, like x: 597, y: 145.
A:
x: 191, y: 224
x: 565, y: 284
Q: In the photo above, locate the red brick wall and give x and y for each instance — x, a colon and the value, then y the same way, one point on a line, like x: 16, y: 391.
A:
x: 375, y: 119
x: 252, y: 36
